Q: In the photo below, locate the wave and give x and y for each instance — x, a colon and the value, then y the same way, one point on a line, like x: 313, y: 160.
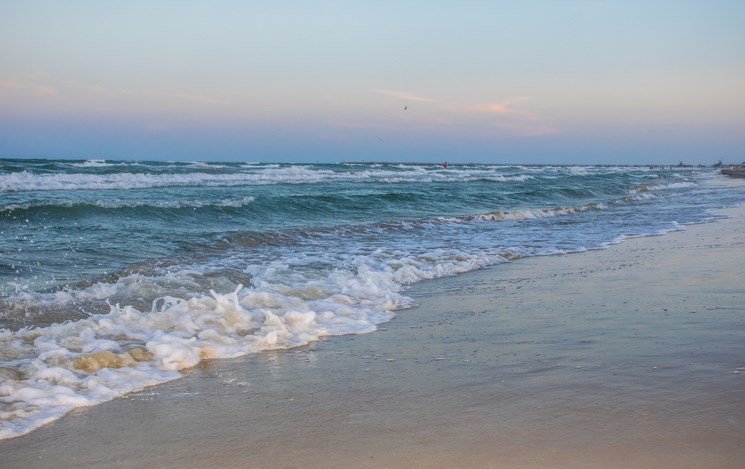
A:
x: 121, y: 345
x: 93, y: 164
x: 137, y: 176
x: 86, y: 361
x: 532, y: 214
x: 120, y: 204
x: 295, y: 236
x: 326, y: 262
x: 26, y: 181
x: 674, y: 185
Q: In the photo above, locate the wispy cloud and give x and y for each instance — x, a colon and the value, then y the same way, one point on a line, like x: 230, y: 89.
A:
x: 406, y: 96
x: 10, y: 85
x: 505, y: 115
x: 15, y: 86
x: 185, y: 97
x: 505, y: 108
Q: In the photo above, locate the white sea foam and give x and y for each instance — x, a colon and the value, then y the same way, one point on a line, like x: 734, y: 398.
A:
x: 116, y: 204
x: 51, y: 370
x: 673, y: 185
x: 244, y: 175
x: 92, y: 164
x: 160, y: 322
x: 530, y: 214
x: 638, y: 196
x: 679, y: 185
x: 270, y: 174
x: 26, y: 181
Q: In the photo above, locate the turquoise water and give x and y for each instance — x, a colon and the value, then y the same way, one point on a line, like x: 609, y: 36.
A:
x: 115, y: 275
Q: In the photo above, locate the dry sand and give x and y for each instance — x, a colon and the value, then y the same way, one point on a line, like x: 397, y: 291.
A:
x: 626, y: 357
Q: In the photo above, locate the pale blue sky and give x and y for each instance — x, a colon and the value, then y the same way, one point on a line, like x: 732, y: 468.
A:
x: 487, y: 81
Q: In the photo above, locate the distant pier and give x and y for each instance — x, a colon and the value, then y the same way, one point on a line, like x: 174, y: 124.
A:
x: 735, y: 172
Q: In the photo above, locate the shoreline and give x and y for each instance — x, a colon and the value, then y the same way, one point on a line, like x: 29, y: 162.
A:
x: 630, y: 356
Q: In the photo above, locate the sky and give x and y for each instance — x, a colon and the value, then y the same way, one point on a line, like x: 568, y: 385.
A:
x: 575, y: 81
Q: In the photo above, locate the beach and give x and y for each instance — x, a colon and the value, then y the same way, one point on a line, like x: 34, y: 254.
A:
x: 632, y: 356
x: 365, y: 235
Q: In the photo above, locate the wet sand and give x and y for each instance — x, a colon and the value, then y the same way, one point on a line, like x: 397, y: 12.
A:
x: 632, y: 356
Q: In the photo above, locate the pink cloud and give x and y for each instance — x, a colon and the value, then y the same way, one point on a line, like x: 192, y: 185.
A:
x: 10, y: 85
x: 187, y: 97
x: 404, y: 95
x: 504, y: 109
x: 19, y: 87
x: 44, y: 91
x: 504, y: 115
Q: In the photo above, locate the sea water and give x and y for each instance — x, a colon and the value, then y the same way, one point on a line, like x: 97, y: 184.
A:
x: 117, y: 275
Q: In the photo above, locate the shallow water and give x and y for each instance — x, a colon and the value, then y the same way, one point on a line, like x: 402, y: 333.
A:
x: 118, y: 275
x: 544, y: 362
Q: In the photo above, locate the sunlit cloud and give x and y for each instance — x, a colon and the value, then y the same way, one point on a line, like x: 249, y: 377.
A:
x: 404, y: 95
x: 505, y: 115
x: 202, y: 99
x: 19, y: 87
x: 505, y: 108
x: 44, y: 91
x: 10, y: 85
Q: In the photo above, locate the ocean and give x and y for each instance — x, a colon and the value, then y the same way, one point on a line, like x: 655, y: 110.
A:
x: 117, y: 275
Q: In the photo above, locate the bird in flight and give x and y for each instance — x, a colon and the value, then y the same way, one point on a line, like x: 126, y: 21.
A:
x: 406, y: 107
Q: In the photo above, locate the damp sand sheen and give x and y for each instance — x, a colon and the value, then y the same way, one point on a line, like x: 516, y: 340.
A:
x: 622, y: 356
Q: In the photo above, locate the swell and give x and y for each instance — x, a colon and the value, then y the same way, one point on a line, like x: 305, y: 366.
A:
x: 72, y: 207
x: 99, y: 339
x: 109, y: 176
x: 294, y: 236
x: 90, y: 300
